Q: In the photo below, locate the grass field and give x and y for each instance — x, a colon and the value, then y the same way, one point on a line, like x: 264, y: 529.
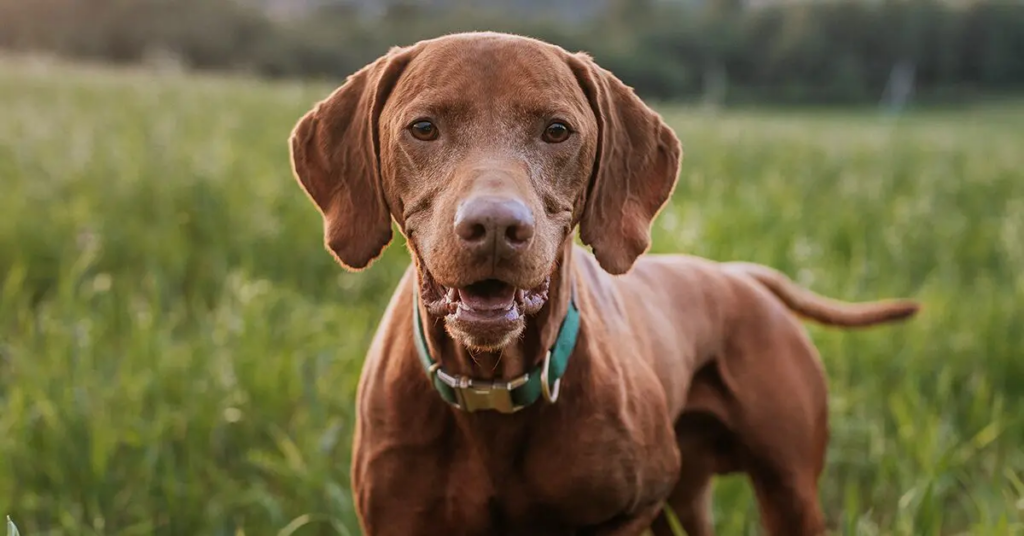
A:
x: 178, y: 354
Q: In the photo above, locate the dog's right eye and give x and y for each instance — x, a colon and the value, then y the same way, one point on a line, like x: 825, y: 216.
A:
x: 424, y: 131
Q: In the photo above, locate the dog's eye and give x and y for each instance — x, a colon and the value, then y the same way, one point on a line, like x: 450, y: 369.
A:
x: 424, y: 131
x: 556, y: 132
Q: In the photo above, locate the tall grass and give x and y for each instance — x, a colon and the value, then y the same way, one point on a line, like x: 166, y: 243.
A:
x: 178, y: 354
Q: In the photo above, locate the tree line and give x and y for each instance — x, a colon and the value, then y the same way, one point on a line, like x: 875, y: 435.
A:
x: 824, y: 52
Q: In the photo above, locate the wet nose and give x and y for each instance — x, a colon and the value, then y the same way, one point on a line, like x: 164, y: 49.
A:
x: 494, y: 224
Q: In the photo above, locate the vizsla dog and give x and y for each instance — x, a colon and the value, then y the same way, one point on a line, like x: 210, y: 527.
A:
x: 520, y: 384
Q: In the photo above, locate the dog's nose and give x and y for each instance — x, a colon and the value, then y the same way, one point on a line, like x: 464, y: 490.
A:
x: 494, y: 224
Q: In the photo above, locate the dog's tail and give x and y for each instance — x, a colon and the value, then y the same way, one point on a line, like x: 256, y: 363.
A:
x: 821, y: 309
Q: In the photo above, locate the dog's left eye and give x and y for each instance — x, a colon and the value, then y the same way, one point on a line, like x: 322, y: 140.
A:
x: 556, y: 132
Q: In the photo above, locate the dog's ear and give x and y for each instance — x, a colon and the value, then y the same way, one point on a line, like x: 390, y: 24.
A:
x: 335, y: 158
x: 635, y: 169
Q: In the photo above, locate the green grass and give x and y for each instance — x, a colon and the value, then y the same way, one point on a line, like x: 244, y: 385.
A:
x: 178, y: 354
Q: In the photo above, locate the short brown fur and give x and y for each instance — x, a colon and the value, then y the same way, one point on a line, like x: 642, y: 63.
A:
x: 684, y: 368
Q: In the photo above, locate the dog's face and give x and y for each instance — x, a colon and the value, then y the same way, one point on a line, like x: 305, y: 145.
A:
x: 487, y: 150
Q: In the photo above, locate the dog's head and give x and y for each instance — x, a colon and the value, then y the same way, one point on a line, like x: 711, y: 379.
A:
x: 487, y: 150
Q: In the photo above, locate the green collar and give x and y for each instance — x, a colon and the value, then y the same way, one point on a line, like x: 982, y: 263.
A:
x: 504, y: 396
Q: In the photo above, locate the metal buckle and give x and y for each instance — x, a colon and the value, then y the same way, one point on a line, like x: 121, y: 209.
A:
x: 476, y: 395
x: 550, y: 394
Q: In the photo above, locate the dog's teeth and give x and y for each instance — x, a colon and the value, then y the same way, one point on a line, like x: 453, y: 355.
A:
x: 520, y: 295
x: 453, y: 294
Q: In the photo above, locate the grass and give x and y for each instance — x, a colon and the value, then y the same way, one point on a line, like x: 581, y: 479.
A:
x: 178, y: 354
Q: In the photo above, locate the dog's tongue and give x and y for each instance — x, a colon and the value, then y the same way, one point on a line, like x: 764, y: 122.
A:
x: 488, y: 296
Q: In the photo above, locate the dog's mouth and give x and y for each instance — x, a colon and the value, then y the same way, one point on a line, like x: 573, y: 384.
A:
x: 490, y: 302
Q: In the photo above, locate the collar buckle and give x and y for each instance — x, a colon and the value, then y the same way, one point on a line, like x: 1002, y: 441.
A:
x: 477, y: 395
x: 471, y: 395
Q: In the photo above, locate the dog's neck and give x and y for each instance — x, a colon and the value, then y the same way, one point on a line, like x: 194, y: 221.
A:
x: 521, y: 355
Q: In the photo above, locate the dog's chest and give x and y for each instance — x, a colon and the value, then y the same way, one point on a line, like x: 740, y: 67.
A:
x: 578, y: 477
x: 552, y: 479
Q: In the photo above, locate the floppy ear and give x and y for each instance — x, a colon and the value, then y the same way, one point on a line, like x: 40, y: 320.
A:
x: 635, y: 169
x: 335, y: 158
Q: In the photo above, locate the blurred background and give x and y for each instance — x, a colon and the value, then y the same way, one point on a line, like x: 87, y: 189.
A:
x: 740, y: 50
x: 179, y: 354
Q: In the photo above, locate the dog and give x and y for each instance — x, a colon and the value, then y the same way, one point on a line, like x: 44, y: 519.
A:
x: 519, y: 382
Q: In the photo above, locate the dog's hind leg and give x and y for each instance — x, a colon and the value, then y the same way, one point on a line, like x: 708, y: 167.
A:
x: 781, y: 424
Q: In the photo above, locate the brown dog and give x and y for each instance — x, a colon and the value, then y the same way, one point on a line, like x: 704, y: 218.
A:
x: 518, y: 384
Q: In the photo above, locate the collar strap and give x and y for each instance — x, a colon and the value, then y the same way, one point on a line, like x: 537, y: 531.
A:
x: 508, y: 396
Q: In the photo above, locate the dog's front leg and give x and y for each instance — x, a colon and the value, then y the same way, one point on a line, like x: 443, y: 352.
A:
x: 628, y: 524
